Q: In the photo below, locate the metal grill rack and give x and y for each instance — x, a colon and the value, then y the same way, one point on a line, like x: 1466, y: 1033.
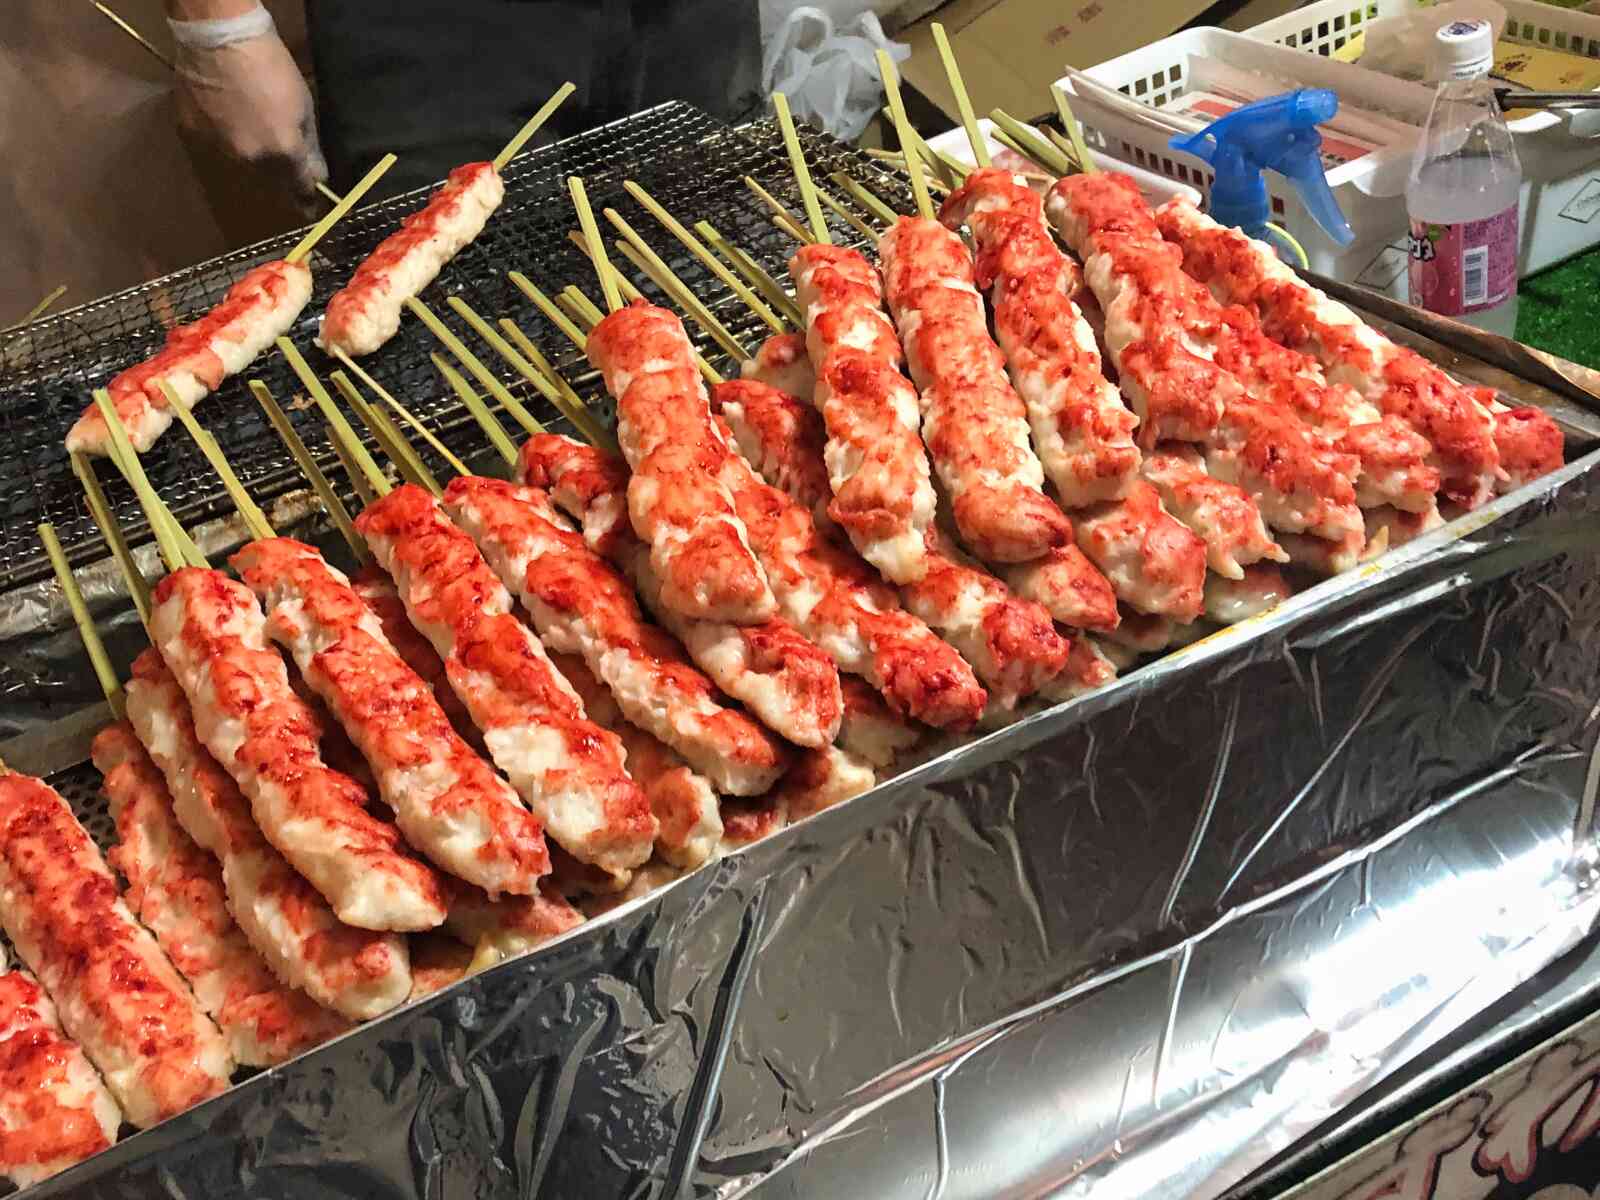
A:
x: 691, y: 163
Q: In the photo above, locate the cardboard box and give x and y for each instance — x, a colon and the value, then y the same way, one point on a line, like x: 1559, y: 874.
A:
x: 1011, y: 51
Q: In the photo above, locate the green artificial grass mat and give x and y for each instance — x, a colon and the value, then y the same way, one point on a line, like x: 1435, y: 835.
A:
x: 1560, y: 309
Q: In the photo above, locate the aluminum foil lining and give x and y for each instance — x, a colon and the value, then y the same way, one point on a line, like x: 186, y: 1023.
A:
x: 1150, y: 937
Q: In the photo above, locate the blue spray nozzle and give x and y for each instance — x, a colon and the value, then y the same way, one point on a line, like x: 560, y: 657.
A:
x: 1279, y: 133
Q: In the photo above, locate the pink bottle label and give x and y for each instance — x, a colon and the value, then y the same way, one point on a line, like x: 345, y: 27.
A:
x: 1457, y: 269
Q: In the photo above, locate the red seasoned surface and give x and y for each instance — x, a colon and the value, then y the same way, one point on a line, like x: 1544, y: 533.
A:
x: 41, y: 1127
x: 372, y: 276
x: 666, y: 431
x: 452, y: 586
x: 578, y: 584
x: 789, y: 433
x: 188, y: 347
x: 392, y: 712
x: 91, y: 955
x: 281, y: 742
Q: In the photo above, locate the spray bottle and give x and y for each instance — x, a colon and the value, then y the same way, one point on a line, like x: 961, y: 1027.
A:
x: 1279, y: 132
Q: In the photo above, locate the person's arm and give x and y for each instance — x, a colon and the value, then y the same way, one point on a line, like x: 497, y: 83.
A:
x: 239, y: 87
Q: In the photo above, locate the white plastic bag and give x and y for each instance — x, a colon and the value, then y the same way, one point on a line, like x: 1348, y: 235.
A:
x: 821, y: 57
x: 1403, y: 46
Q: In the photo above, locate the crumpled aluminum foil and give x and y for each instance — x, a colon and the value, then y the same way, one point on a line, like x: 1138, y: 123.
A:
x: 1135, y: 946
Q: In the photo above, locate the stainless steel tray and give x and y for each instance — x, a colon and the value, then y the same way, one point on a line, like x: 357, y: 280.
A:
x: 1137, y: 943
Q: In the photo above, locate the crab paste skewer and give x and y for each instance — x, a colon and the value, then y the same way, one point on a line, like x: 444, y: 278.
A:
x: 883, y: 495
x: 1477, y: 444
x: 54, y: 1108
x: 1166, y: 335
x: 678, y: 505
x: 492, y: 927
x: 176, y: 889
x: 834, y: 601
x: 548, y: 566
x: 567, y: 769
x: 974, y: 424
x: 448, y: 802
x: 784, y: 680
x: 197, y: 357
x: 211, y: 633
x: 365, y: 313
x: 115, y: 992
x: 1081, y: 429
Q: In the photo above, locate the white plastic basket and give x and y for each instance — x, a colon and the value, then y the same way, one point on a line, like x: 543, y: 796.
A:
x: 1561, y: 192
x: 1369, y: 189
x: 1560, y: 162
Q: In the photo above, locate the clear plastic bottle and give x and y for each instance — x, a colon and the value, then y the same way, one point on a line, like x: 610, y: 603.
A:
x: 1462, y: 194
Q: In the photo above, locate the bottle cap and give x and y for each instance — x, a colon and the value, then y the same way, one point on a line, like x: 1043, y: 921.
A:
x: 1464, y: 49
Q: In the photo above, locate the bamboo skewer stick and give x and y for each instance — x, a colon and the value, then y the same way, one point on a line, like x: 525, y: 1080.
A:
x: 128, y: 29
x: 481, y: 373
x: 797, y: 159
x: 394, y: 443
x: 100, y: 512
x: 412, y: 469
x: 663, y: 279
x: 255, y: 521
x: 39, y: 309
x: 342, y: 434
x: 1027, y: 142
x: 526, y: 361
x: 400, y: 410
x: 850, y: 218
x: 328, y: 193
x: 575, y: 312
x: 585, y: 307
x: 711, y: 262
x: 866, y: 199
x: 479, y: 410
x: 760, y: 280
x: 546, y: 306
x: 351, y: 198
x: 337, y: 512
x: 571, y: 404
x: 651, y: 263
x: 355, y: 452
x: 969, y: 119
x: 92, y: 645
x: 948, y: 173
x: 597, y: 246
x: 353, y: 472
x: 533, y: 125
x: 902, y: 125
x: 177, y: 548
x: 492, y: 429
x: 781, y: 216
x: 1074, y: 131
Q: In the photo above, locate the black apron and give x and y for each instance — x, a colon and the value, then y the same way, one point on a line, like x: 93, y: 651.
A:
x: 442, y: 82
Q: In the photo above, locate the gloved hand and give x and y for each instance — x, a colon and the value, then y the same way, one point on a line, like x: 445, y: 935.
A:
x: 239, y: 88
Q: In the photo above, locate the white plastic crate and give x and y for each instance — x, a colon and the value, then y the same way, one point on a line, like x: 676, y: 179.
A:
x: 1369, y: 189
x: 1561, y: 192
x: 1560, y: 159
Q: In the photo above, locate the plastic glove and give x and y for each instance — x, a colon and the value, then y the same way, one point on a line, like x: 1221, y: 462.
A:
x: 238, y: 87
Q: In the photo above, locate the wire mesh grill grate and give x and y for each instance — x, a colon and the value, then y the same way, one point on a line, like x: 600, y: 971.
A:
x: 687, y: 160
